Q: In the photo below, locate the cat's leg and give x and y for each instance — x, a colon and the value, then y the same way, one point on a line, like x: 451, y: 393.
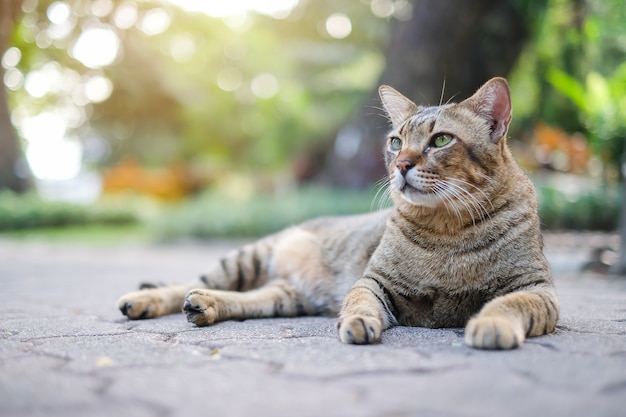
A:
x: 298, y: 283
x: 364, y: 314
x: 239, y: 270
x: 506, y: 321
x: 205, y: 307
x: 152, y: 301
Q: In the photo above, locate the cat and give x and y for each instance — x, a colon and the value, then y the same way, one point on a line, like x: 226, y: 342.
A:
x: 461, y: 245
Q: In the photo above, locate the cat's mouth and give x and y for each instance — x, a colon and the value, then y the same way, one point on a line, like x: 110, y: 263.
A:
x: 420, y: 187
x: 409, y: 188
x: 419, y: 196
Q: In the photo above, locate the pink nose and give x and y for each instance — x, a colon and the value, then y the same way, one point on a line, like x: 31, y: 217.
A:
x: 404, y: 165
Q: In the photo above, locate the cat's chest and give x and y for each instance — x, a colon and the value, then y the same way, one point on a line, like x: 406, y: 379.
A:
x: 453, y: 265
x: 440, y: 286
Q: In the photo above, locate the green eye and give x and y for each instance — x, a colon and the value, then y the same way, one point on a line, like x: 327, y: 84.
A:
x: 441, y: 140
x: 395, y: 144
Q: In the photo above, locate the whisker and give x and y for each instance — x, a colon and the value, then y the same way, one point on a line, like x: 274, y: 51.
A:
x: 379, y: 111
x: 385, y: 198
x: 452, y: 98
x: 475, y: 187
x: 488, y: 178
x: 459, y: 193
x: 478, y: 206
x: 443, y: 89
x: 382, y: 195
x: 447, y: 201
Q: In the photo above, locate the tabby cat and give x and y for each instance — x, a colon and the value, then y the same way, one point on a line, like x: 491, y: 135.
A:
x: 460, y: 247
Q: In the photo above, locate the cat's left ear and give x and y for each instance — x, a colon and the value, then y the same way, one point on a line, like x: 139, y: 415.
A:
x: 398, y: 107
x: 493, y: 102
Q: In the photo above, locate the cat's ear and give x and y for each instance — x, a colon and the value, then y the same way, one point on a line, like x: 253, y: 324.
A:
x: 493, y: 102
x: 398, y: 107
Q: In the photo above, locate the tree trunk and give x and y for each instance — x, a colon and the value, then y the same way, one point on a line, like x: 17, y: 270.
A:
x: 13, y: 167
x: 463, y: 43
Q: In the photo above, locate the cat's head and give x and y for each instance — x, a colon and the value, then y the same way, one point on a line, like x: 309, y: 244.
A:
x: 447, y: 155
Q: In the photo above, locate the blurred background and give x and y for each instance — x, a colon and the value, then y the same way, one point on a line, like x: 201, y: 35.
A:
x: 170, y: 119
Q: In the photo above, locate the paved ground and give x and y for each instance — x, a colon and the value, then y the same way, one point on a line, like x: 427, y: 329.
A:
x: 65, y: 350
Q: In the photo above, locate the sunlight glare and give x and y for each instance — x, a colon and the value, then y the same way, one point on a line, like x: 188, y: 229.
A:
x: 60, y: 31
x: 155, y: 21
x: 182, y: 47
x: 13, y: 79
x: 58, y: 12
x: 98, y: 88
x: 126, y: 15
x: 382, y: 8
x: 338, y: 25
x: 278, y: 9
x: 264, y: 86
x: 40, y: 82
x: 50, y: 154
x: 11, y: 57
x: 101, y: 8
x: 229, y: 79
x: 96, y: 47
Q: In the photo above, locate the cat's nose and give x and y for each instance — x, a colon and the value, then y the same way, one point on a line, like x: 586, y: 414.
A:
x: 404, y: 165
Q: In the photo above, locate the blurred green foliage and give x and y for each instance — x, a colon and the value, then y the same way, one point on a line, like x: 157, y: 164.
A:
x: 188, y: 92
x: 213, y: 214
x: 590, y: 210
x: 29, y: 211
x: 185, y: 91
x: 573, y: 75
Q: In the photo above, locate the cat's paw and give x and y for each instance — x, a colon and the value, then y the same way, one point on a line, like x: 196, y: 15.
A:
x: 359, y: 330
x: 145, y: 304
x: 201, y: 308
x: 493, y: 333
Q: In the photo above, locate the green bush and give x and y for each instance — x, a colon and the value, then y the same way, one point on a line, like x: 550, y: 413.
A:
x: 591, y: 210
x: 28, y: 211
x: 213, y: 214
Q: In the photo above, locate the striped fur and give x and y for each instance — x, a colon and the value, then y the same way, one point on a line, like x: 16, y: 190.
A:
x: 461, y: 247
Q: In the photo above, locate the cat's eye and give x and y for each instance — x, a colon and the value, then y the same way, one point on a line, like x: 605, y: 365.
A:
x: 441, y: 140
x: 395, y: 144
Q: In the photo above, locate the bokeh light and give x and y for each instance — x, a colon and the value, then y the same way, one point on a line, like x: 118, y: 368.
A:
x: 11, y: 57
x: 101, y: 8
x: 229, y: 79
x: 126, y: 15
x: 278, y: 9
x: 98, y: 89
x: 51, y: 155
x: 96, y: 47
x: 155, y: 21
x: 338, y: 25
x: 264, y: 86
x: 59, y: 12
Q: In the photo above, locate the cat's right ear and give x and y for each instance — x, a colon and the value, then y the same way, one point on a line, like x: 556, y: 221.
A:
x: 493, y: 102
x: 398, y: 107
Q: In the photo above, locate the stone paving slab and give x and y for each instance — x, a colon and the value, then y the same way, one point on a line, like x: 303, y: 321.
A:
x: 65, y: 350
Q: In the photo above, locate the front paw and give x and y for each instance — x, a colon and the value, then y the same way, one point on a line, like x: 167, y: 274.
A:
x: 493, y: 333
x: 359, y: 330
x: 201, y: 308
x: 138, y: 305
